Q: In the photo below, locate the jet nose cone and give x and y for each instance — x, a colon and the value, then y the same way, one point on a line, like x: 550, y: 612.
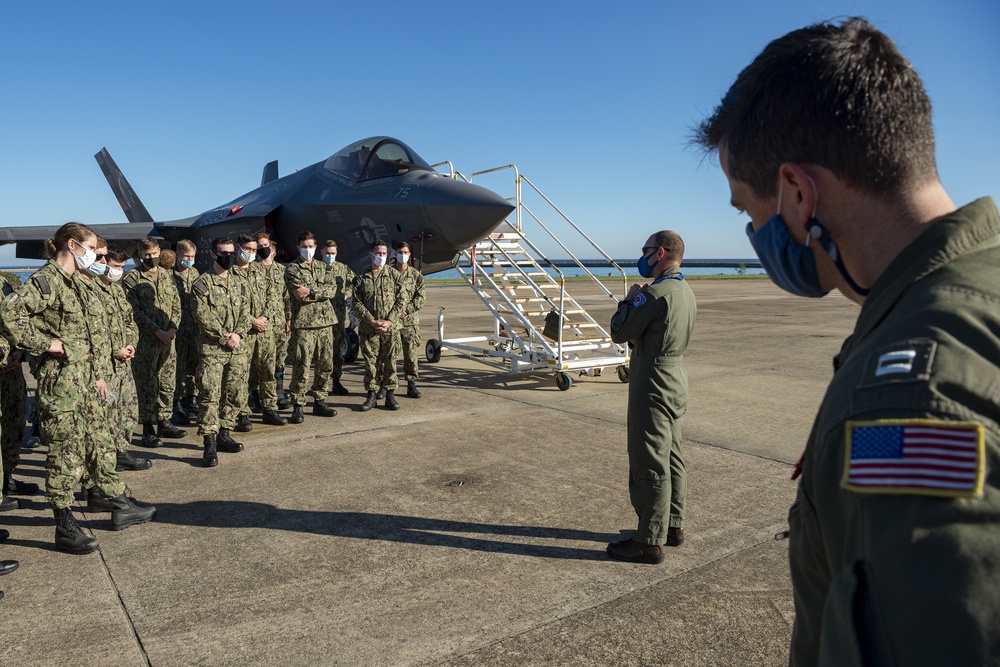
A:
x: 464, y: 214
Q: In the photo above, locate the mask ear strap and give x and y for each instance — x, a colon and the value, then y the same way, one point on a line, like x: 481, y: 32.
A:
x: 815, y: 230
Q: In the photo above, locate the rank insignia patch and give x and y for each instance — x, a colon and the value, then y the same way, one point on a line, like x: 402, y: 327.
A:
x: 908, y: 361
x: 927, y: 457
x: 639, y: 299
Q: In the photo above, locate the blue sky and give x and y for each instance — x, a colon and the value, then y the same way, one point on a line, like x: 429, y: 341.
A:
x: 594, y: 102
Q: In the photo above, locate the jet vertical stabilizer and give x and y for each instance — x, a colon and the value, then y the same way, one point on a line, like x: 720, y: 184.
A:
x: 270, y: 173
x: 129, y: 201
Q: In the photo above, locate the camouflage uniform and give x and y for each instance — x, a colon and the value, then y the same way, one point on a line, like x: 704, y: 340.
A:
x: 124, y: 410
x: 13, y: 395
x: 412, y: 286
x: 186, y: 341
x: 312, y: 327
x: 156, y: 305
x: 73, y: 415
x: 221, y: 308
x: 378, y: 297
x: 343, y: 277
x: 280, y: 312
x: 259, y: 344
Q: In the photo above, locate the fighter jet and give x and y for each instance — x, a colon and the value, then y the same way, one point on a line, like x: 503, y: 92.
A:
x: 378, y: 188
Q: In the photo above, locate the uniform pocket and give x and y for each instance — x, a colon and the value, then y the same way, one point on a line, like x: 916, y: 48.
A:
x: 848, y: 620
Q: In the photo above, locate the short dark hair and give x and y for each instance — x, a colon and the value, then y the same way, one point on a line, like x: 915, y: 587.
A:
x: 220, y: 241
x: 330, y: 243
x: 305, y: 235
x: 840, y: 96
x: 246, y: 238
x: 377, y: 242
x: 403, y: 244
x: 117, y: 254
x: 671, y: 242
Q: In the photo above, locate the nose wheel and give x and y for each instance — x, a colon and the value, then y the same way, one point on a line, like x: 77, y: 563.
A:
x: 563, y: 381
x: 433, y: 351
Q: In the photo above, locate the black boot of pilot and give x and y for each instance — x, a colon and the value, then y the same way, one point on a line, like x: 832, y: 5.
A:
x: 390, y: 400
x: 149, y: 438
x: 167, y: 430
x: 210, y: 458
x: 126, y: 512
x: 69, y: 537
x: 411, y: 390
x: 369, y: 402
x: 225, y: 442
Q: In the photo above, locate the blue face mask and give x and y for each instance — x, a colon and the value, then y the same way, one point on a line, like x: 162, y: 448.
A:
x: 187, y: 263
x: 645, y: 269
x: 791, y: 266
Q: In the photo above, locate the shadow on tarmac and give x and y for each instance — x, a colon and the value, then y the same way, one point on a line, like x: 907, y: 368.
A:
x: 386, y: 527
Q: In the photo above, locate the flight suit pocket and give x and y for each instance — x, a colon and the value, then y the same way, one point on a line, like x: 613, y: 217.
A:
x: 848, y: 636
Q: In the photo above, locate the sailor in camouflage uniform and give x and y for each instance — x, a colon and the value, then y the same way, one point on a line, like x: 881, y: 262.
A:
x: 279, y: 312
x: 156, y: 306
x: 311, y: 287
x: 344, y: 278
x: 13, y: 395
x: 186, y: 342
x: 259, y: 342
x: 411, y: 283
x: 223, y: 313
x: 124, y: 409
x: 71, y: 363
x: 378, y: 302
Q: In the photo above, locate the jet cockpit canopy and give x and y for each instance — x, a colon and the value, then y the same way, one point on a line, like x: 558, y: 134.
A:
x: 375, y: 157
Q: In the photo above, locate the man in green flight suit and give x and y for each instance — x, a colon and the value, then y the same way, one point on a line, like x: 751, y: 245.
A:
x: 656, y: 319
x: 827, y: 143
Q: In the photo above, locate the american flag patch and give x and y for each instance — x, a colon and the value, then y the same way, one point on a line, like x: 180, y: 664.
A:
x: 915, y: 456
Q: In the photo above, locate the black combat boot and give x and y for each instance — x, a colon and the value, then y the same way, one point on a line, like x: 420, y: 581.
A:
x: 149, y: 438
x: 168, y: 430
x: 226, y: 444
x: 190, y: 406
x: 96, y: 502
x: 180, y: 415
x: 69, y: 537
x: 243, y: 424
x: 209, y: 458
x: 273, y: 418
x: 339, y: 389
x: 253, y: 402
x: 390, y: 400
x: 279, y: 388
x: 321, y: 409
x: 381, y: 393
x: 15, y: 487
x: 369, y: 402
x: 411, y: 390
x: 126, y: 512
x: 7, y: 504
x: 125, y: 461
x: 298, y: 415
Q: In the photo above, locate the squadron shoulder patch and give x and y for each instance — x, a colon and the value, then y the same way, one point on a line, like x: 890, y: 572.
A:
x: 926, y: 457
x: 639, y: 300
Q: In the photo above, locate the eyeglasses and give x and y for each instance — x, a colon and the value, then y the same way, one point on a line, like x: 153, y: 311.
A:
x: 645, y: 251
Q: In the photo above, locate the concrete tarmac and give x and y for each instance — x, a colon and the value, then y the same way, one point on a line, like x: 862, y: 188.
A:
x: 468, y: 528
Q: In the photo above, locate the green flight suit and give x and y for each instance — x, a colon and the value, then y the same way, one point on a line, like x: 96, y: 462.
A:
x: 377, y: 296
x: 412, y: 285
x: 221, y: 308
x: 72, y: 414
x: 313, y: 320
x: 658, y: 321
x: 156, y: 305
x: 904, y: 568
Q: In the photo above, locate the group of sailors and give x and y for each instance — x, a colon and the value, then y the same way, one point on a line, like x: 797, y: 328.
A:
x: 164, y: 345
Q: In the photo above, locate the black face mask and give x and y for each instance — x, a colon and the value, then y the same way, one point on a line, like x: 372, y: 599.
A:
x: 150, y: 262
x: 225, y: 260
x: 263, y: 253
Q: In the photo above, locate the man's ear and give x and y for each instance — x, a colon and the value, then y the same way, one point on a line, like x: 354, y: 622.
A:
x: 798, y: 196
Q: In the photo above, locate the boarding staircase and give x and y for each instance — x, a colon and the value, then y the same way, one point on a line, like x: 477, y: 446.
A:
x: 538, y: 325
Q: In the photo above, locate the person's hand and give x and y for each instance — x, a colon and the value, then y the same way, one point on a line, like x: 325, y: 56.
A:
x: 102, y: 389
x: 260, y: 324
x: 56, y: 348
x: 13, y: 361
x: 633, y: 290
x: 164, y: 336
x: 233, y: 341
x: 300, y: 292
x: 288, y: 327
